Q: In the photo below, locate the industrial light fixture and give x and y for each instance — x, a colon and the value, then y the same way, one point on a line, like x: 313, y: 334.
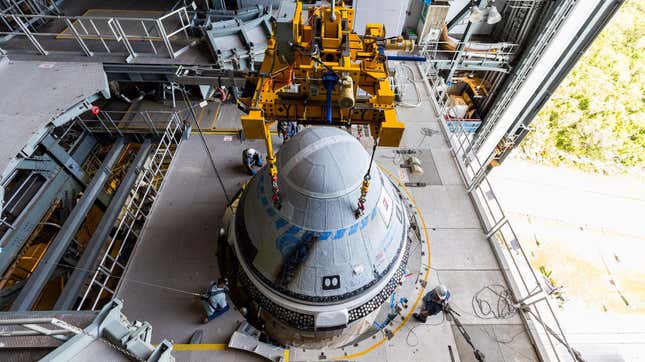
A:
x: 494, y: 16
x: 476, y: 15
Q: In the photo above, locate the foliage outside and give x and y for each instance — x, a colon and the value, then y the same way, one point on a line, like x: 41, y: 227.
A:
x: 596, y: 119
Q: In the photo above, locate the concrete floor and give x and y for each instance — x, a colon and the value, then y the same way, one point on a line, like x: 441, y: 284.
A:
x: 177, y: 250
x: 52, y: 84
x: 178, y: 244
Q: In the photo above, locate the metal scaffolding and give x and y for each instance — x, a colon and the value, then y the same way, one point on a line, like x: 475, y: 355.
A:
x: 50, y: 261
x: 440, y: 58
x: 567, y: 31
x: 88, y: 260
x: 106, y: 277
x: 100, y: 35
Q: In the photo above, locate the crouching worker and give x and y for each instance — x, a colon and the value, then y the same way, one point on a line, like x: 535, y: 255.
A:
x: 214, y: 301
x: 250, y: 159
x: 433, y: 302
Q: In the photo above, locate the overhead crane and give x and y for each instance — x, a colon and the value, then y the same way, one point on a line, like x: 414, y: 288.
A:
x: 314, y: 72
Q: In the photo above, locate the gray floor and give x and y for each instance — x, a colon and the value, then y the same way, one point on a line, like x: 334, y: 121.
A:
x: 178, y: 245
x: 50, y: 84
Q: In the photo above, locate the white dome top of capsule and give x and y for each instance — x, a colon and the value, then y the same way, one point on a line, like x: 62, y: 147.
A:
x: 323, y: 163
x: 320, y: 175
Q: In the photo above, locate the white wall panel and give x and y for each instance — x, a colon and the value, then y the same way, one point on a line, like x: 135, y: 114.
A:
x: 391, y: 13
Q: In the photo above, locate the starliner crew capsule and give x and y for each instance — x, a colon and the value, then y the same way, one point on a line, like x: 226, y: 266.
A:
x: 317, y: 274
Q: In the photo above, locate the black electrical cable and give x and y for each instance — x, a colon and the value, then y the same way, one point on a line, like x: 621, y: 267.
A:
x: 503, y: 305
x: 479, y: 356
x: 208, y: 151
x: 411, y: 330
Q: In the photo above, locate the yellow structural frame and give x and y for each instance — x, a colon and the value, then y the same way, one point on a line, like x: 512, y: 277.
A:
x: 342, y: 52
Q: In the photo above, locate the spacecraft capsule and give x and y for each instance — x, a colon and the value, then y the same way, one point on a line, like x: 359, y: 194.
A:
x: 313, y: 268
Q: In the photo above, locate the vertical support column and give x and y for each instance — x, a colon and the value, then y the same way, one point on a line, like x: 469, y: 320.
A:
x: 460, y: 51
x: 164, y: 36
x: 36, y: 282
x: 122, y: 36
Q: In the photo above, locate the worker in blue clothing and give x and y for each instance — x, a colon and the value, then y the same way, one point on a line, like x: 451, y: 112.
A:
x: 287, y: 129
x: 214, y: 301
x: 250, y: 159
x: 434, y: 302
x: 292, y: 128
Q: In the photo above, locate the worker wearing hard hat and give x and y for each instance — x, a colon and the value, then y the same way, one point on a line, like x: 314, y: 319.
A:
x: 434, y: 302
x: 251, y: 158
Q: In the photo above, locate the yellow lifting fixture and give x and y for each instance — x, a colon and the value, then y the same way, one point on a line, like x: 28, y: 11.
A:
x: 312, y: 70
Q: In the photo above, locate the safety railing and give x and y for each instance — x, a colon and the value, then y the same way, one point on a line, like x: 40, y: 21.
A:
x: 107, y: 276
x: 98, y: 35
x: 23, y: 327
x: 531, y: 297
x: 29, y: 6
x: 123, y: 122
x: 470, y: 125
x: 447, y: 55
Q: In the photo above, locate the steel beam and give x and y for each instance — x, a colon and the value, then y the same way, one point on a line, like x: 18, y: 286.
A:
x: 593, y: 26
x: 471, y: 65
x: 65, y: 159
x: 34, y: 285
x: 187, y: 75
x: 460, y: 51
x: 71, y: 164
x: 58, y: 185
x: 40, y: 164
x: 68, y: 297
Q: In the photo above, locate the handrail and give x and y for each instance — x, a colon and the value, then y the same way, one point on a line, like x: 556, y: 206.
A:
x: 115, y: 34
x: 107, y: 277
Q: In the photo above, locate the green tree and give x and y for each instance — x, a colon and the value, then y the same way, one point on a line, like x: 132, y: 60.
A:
x: 596, y: 118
